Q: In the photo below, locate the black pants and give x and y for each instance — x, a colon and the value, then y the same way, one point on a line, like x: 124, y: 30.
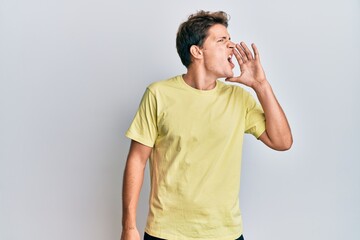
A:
x: 148, y: 237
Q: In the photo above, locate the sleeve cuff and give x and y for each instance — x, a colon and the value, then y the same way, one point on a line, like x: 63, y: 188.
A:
x: 139, y: 139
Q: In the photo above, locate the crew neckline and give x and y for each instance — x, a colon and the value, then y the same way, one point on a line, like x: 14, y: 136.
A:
x: 195, y: 90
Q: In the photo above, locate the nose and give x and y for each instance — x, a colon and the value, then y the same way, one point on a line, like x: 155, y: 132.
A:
x: 231, y: 44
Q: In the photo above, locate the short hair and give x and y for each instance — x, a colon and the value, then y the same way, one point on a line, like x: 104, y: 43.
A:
x: 194, y: 31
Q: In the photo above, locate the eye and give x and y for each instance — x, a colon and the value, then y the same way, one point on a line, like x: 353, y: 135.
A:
x: 221, y: 40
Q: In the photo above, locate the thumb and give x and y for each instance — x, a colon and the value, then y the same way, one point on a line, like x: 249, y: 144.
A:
x: 230, y: 79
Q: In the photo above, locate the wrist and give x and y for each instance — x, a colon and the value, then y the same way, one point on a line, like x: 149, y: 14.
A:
x: 261, y: 86
x: 129, y: 223
x: 129, y: 228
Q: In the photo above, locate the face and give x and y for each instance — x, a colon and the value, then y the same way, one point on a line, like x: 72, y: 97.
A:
x: 217, y: 52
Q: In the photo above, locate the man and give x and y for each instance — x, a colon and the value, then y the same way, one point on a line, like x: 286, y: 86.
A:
x: 191, y: 127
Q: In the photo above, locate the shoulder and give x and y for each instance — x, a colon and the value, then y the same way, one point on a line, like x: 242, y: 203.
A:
x: 163, y: 85
x: 237, y: 93
x: 231, y: 88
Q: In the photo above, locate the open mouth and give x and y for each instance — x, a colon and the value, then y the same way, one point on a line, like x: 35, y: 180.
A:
x: 230, y: 60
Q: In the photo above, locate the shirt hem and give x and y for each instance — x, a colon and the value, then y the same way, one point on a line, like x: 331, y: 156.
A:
x: 172, y: 237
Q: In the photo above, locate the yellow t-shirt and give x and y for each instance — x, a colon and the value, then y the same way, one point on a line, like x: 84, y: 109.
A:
x: 195, y: 163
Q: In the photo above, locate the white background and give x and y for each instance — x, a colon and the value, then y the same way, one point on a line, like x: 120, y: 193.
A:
x: 72, y: 73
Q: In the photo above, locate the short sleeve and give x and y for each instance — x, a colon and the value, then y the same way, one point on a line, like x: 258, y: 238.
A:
x: 255, y: 117
x: 143, y: 128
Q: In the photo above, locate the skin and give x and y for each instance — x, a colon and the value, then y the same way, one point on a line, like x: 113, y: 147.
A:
x: 133, y: 179
x: 209, y: 63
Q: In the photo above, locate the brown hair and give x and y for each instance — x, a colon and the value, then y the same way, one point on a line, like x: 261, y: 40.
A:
x: 195, y: 30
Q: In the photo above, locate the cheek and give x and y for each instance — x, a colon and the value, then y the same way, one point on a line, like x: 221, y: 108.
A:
x: 215, y: 58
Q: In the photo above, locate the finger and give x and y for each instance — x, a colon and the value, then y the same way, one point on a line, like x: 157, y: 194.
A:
x: 238, y: 57
x: 256, y: 52
x: 231, y: 79
x: 247, y: 51
x: 241, y: 52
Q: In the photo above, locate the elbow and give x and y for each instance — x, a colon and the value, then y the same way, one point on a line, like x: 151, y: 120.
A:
x: 285, y: 145
x: 281, y: 142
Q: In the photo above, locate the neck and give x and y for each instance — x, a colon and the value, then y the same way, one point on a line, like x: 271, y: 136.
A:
x: 198, y: 79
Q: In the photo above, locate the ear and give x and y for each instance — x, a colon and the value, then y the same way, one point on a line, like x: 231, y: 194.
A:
x: 196, y: 52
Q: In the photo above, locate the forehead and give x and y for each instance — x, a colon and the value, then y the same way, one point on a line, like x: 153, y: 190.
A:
x: 218, y: 30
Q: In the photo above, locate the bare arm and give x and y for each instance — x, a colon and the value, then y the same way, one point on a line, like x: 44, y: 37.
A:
x: 278, y: 134
x: 133, y: 179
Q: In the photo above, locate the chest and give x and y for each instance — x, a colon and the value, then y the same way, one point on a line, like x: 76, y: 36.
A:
x: 199, y: 118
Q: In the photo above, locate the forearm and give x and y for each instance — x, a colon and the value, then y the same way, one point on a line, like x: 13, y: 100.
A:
x: 133, y: 179
x: 277, y: 127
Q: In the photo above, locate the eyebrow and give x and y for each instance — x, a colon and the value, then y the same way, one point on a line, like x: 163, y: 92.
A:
x: 225, y: 38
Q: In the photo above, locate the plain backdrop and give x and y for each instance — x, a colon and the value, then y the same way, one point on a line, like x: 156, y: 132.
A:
x: 72, y: 74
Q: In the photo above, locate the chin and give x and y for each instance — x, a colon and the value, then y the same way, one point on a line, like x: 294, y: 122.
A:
x: 226, y: 73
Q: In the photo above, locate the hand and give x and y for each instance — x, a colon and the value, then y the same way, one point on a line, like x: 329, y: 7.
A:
x: 252, y: 73
x: 130, y: 234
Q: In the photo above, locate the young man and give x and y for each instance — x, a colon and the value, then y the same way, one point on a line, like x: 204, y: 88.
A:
x: 191, y: 127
